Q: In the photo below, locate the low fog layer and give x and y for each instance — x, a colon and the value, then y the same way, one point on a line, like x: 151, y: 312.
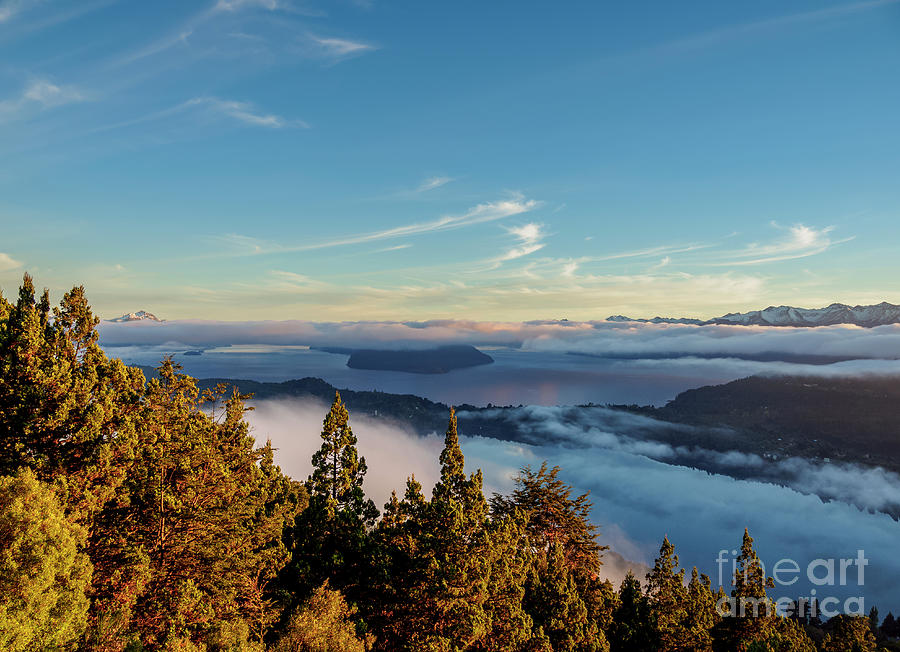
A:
x: 594, y: 338
x: 873, y: 489
x: 637, y: 499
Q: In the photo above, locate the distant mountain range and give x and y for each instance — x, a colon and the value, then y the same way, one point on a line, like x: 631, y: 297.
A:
x: 837, y: 313
x: 140, y: 315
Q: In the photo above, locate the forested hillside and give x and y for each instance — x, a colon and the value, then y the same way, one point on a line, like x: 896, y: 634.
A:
x: 140, y: 514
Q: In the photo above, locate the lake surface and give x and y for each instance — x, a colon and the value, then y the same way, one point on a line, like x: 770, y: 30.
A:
x: 517, y: 377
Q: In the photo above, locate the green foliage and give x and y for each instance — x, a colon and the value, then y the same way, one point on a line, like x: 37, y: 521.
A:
x: 849, y: 634
x: 452, y: 578
x: 632, y: 627
x: 554, y: 602
x: 554, y: 517
x: 198, y: 534
x: 43, y: 574
x: 324, y: 623
x: 701, y: 616
x: 330, y: 540
x: 668, y: 600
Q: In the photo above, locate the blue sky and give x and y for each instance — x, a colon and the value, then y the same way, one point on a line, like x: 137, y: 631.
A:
x: 274, y: 159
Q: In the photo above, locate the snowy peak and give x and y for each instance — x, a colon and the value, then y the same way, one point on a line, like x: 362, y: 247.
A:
x: 140, y: 315
x: 837, y: 313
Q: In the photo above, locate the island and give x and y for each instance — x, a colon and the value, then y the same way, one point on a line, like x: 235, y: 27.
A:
x: 438, y: 360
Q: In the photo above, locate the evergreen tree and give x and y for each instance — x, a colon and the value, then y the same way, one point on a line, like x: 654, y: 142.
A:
x: 452, y: 578
x: 849, y: 634
x: 873, y: 619
x: 789, y: 636
x: 632, y: 628
x: 454, y: 541
x: 753, y: 618
x: 330, y: 540
x: 338, y: 471
x: 65, y: 408
x: 701, y: 611
x: 555, y: 517
x: 553, y: 602
x: 324, y: 623
x: 558, y: 521
x: 198, y: 535
x: 668, y: 600
x: 43, y: 572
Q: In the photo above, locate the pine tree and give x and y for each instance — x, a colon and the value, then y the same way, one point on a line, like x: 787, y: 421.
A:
x: 668, y: 600
x: 324, y: 623
x: 753, y: 619
x: 65, y: 408
x: 454, y: 541
x: 331, y: 538
x: 632, y: 629
x: 789, y: 636
x: 554, y: 516
x: 701, y: 611
x: 851, y: 633
x: 338, y: 471
x: 452, y: 579
x: 873, y: 619
x: 198, y: 534
x: 553, y: 601
x: 43, y: 571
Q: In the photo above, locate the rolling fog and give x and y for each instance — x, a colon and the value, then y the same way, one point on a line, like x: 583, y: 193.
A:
x: 637, y: 499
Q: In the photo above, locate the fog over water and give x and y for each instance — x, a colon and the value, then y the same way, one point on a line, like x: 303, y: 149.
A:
x: 637, y: 500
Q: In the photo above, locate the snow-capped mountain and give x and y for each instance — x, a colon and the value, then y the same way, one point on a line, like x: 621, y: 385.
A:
x: 837, y: 313
x: 140, y: 315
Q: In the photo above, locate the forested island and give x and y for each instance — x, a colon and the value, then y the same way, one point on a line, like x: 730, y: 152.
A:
x: 141, y: 514
x: 438, y: 360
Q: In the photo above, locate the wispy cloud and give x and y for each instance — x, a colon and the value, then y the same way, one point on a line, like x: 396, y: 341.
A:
x: 650, y: 252
x: 7, y: 262
x: 488, y: 212
x: 47, y: 94
x: 41, y: 94
x: 530, y: 239
x: 394, y: 248
x: 246, y: 113
x: 293, y: 283
x: 664, y: 262
x: 235, y: 5
x: 179, y: 39
x: 800, y: 241
x: 480, y: 214
x: 433, y: 182
x: 338, y: 48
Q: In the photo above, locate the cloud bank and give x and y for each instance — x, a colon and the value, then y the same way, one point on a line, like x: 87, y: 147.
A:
x: 598, y: 338
x: 637, y: 500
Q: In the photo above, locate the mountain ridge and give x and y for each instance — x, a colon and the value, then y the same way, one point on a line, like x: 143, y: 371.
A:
x: 870, y: 316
